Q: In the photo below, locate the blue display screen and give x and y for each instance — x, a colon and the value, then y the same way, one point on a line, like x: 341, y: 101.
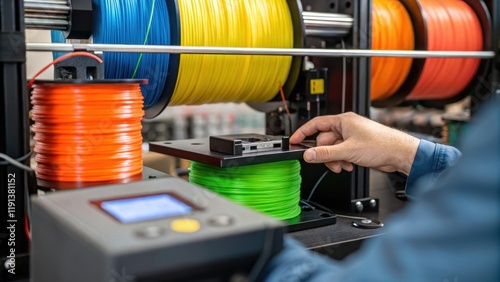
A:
x: 145, y: 208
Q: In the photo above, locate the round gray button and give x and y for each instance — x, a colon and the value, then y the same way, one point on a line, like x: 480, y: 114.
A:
x: 150, y: 232
x: 220, y: 220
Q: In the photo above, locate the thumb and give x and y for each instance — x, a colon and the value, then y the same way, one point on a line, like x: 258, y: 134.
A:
x: 324, y: 154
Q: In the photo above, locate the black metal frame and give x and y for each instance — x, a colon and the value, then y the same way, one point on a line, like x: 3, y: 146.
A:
x: 487, y: 86
x: 350, y: 191
x: 343, y: 191
x: 14, y: 132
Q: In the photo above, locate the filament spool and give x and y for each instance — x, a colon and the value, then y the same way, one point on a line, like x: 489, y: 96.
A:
x: 228, y: 78
x: 483, y: 14
x: 135, y: 22
x: 87, y: 132
x: 284, y: 22
x: 392, y: 29
x: 271, y: 188
x: 451, y: 25
x: 476, y: 9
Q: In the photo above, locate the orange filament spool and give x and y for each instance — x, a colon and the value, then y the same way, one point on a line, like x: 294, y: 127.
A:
x: 87, y: 132
x: 452, y: 25
x: 392, y: 30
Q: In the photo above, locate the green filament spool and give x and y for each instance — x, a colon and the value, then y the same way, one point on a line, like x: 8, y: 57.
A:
x: 272, y: 188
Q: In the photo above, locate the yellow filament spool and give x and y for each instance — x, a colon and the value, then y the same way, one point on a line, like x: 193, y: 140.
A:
x: 232, y: 23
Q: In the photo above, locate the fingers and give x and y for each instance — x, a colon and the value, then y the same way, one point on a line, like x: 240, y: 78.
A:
x: 337, y: 167
x: 334, y: 166
x: 327, y: 138
x: 324, y: 154
x: 319, y: 124
x: 347, y: 166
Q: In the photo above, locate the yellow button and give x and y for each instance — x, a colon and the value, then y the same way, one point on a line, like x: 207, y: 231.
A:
x: 185, y: 225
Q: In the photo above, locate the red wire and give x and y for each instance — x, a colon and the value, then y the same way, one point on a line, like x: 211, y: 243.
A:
x: 282, y: 94
x: 27, y: 228
x: 452, y: 26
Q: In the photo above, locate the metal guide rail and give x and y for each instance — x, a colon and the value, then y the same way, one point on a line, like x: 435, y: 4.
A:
x: 66, y: 47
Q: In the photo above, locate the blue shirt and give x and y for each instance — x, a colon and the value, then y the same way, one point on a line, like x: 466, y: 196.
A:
x: 450, y: 233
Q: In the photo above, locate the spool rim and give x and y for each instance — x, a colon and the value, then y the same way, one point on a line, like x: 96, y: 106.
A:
x: 173, y: 64
x: 299, y: 32
x: 295, y: 7
x: 91, y: 82
x: 419, y: 23
x: 68, y: 185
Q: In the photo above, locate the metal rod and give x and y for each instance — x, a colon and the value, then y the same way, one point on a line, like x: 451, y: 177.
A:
x: 314, y: 32
x: 45, y: 16
x: 62, y: 47
x: 53, y: 2
x: 46, y: 7
x: 327, y: 24
x: 46, y: 22
x: 323, y: 15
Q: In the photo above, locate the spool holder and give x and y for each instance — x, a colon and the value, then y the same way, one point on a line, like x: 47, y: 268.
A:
x: 200, y: 150
x: 79, y: 68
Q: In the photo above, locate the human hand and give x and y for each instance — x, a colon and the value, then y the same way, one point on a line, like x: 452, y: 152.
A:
x: 348, y: 139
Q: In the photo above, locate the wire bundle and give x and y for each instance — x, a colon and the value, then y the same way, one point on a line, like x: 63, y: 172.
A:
x: 87, y: 132
x: 452, y: 25
x: 272, y: 188
x: 232, y: 78
x: 134, y: 22
x: 392, y: 29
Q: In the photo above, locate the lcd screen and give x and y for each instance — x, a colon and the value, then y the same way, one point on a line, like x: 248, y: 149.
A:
x: 145, y: 208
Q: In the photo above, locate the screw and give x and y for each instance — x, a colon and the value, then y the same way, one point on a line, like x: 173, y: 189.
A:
x: 9, y: 264
x: 359, y: 206
x: 373, y: 203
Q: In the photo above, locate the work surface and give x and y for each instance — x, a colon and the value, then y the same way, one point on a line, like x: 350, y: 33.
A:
x: 341, y: 239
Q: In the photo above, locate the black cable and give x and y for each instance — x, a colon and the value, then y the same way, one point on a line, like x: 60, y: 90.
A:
x: 16, y: 162
x: 316, y: 185
x: 321, y: 207
x: 307, y: 203
x: 290, y: 125
x: 31, y: 187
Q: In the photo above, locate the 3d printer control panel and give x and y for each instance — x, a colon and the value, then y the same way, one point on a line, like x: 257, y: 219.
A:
x: 152, y: 227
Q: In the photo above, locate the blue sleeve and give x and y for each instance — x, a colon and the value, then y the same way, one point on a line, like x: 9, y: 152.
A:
x: 430, y: 161
x: 451, y: 234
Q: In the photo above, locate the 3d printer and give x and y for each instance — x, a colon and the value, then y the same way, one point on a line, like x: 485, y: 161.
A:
x: 339, y: 81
